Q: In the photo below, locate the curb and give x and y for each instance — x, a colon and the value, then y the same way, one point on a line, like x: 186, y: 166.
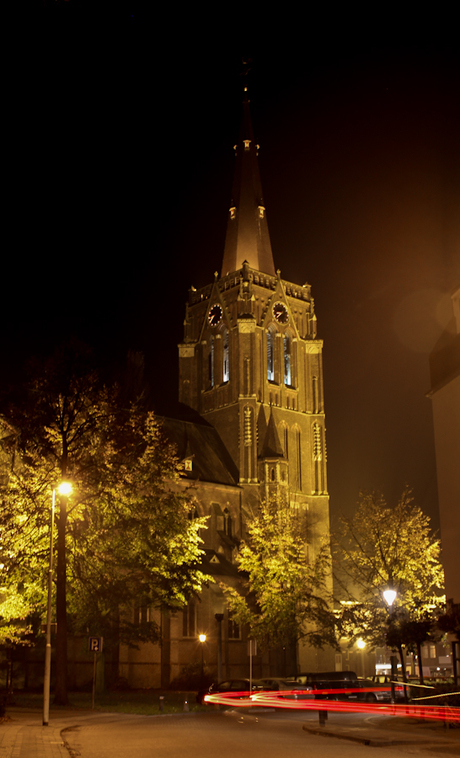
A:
x: 379, y: 742
x: 371, y: 741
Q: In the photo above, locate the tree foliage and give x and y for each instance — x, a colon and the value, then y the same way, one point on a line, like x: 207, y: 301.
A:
x: 128, y: 526
x: 385, y: 547
x: 286, y: 596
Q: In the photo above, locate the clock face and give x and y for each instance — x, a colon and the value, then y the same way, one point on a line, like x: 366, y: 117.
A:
x: 280, y: 313
x: 215, y: 314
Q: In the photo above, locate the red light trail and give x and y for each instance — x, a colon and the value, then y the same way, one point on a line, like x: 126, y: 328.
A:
x: 289, y: 699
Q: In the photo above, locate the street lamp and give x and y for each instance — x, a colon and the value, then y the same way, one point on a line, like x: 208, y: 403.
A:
x: 361, y: 645
x: 64, y: 489
x: 219, y: 618
x: 390, y: 596
x: 202, y: 638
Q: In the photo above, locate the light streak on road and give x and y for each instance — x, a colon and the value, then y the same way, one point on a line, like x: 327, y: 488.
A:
x: 292, y: 700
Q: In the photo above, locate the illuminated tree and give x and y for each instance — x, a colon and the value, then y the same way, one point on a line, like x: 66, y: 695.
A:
x: 285, y: 598
x: 126, y: 530
x: 382, y: 547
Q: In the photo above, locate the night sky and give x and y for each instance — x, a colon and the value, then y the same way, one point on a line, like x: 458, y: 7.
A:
x: 119, y: 170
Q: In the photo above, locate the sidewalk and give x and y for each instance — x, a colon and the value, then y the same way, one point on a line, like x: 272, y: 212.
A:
x: 22, y: 734
x: 385, y: 731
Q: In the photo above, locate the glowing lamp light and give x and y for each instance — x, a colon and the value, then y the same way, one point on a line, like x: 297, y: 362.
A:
x: 361, y: 644
x: 202, y: 637
x: 65, y: 488
x: 389, y: 596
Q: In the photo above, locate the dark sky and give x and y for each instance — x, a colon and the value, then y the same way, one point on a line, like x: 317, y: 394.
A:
x: 119, y: 174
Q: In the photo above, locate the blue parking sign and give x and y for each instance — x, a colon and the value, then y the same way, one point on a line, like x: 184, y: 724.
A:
x: 95, y: 644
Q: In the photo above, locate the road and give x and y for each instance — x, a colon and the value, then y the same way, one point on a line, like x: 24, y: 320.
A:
x: 238, y: 735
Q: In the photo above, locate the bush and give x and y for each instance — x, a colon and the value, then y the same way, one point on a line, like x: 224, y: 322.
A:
x: 190, y: 678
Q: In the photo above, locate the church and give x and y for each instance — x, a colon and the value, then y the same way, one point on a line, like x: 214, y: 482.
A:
x: 253, y: 423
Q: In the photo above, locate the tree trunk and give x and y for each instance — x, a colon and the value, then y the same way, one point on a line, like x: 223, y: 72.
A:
x: 419, y: 657
x: 402, y: 658
x: 60, y: 693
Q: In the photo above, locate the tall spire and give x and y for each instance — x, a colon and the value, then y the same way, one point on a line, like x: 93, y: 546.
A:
x: 247, y: 229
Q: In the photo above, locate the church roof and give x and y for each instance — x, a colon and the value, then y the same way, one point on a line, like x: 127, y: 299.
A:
x: 247, y: 229
x: 217, y: 564
x: 201, y: 444
x: 272, y: 446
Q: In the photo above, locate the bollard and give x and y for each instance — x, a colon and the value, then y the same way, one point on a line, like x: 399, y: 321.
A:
x: 185, y: 706
x: 162, y: 698
x: 322, y: 717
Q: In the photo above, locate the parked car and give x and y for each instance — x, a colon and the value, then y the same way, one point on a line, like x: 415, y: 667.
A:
x: 330, y: 680
x: 345, y: 681
x: 378, y: 696
x: 231, y: 686
x: 383, y: 680
x: 290, y: 685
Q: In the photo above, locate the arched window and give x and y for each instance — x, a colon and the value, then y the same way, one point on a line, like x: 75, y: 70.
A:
x: 227, y: 522
x: 271, y: 355
x: 211, y: 362
x: 315, y: 394
x: 287, y: 360
x: 225, y: 358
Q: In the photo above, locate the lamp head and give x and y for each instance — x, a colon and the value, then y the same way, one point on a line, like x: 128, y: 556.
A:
x: 65, y: 488
x: 389, y: 596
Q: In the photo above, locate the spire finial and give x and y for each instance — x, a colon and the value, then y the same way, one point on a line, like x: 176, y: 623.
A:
x: 245, y: 69
x: 247, y: 230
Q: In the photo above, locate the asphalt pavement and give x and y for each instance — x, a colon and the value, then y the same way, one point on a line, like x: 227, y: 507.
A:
x: 22, y: 734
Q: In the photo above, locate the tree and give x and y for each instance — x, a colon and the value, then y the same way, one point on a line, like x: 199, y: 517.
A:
x: 383, y: 547
x: 125, y: 532
x: 285, y: 598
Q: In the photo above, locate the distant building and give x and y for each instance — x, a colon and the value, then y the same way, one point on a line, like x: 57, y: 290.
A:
x: 252, y: 423
x: 445, y: 396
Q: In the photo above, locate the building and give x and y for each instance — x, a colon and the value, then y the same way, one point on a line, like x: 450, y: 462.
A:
x: 445, y: 397
x: 252, y: 423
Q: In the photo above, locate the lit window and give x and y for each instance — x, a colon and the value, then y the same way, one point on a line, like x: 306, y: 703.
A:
x: 226, y: 362
x: 270, y: 356
x: 144, y: 614
x: 287, y: 360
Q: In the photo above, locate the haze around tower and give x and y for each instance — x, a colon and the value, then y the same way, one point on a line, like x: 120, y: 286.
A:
x: 359, y: 168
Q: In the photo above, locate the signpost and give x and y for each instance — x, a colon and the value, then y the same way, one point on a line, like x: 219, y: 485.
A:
x: 252, y: 650
x: 95, y: 645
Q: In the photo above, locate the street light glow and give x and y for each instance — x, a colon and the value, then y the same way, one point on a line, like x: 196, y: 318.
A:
x: 202, y: 637
x: 389, y: 596
x: 65, y: 488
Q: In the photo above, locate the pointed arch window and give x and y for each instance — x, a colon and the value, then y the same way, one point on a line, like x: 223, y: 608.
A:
x: 287, y: 360
x: 225, y: 358
x: 271, y: 354
x: 211, y: 362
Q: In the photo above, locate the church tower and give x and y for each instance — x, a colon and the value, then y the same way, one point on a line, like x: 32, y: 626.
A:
x: 251, y: 363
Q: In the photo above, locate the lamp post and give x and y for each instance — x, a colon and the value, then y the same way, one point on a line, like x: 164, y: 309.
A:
x: 60, y: 692
x: 390, y: 596
x: 202, y: 638
x: 64, y: 489
x: 361, y: 645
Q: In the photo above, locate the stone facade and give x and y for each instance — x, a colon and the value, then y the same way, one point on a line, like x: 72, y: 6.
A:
x: 252, y: 424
